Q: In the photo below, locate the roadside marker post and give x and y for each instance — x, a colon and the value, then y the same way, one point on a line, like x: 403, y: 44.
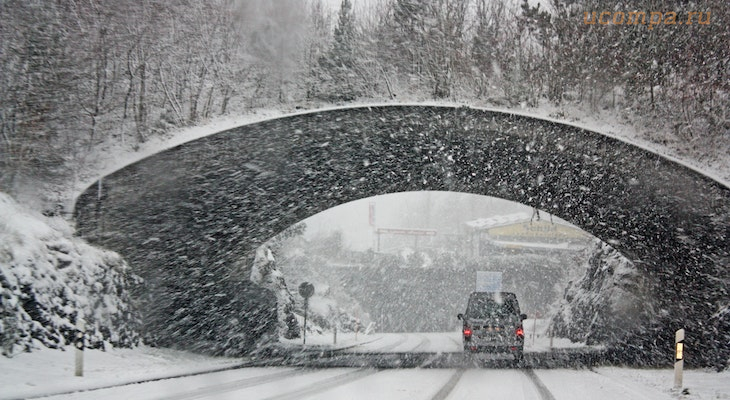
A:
x: 79, y: 344
x: 678, y: 358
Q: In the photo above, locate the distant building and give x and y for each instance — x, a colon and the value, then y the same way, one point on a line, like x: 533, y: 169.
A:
x: 523, y: 232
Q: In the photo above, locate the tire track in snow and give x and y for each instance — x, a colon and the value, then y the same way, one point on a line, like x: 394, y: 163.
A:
x: 425, y: 342
x: 236, y: 385
x: 445, y: 390
x: 459, y: 343
x: 325, y: 385
x: 542, y: 390
x: 390, y: 347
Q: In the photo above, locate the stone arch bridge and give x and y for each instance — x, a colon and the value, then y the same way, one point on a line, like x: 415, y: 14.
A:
x: 184, y: 217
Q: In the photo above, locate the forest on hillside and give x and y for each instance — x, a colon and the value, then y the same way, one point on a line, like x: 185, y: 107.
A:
x: 78, y: 74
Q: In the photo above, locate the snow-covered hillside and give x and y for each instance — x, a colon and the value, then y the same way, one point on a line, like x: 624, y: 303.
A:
x: 48, y: 279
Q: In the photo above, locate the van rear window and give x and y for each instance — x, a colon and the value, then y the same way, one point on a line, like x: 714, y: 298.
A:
x: 485, y: 308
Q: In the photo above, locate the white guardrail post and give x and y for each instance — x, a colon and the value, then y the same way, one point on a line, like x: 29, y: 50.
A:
x: 678, y: 358
x: 79, y: 344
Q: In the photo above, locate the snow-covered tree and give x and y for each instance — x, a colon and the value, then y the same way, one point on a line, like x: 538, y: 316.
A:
x: 266, y: 274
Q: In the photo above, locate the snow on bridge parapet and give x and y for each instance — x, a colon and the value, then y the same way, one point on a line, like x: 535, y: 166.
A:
x: 107, y: 162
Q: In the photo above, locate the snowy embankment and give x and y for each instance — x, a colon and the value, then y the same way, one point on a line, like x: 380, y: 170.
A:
x: 48, y: 279
x: 606, y: 303
x: 46, y: 372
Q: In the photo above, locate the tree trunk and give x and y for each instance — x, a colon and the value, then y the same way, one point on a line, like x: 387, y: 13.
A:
x: 141, y: 114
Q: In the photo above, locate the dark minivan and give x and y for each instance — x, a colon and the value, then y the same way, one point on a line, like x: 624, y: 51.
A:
x: 493, y: 323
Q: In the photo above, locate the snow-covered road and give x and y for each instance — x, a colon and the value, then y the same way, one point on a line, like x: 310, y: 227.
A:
x: 154, y: 373
x: 429, y: 342
x: 411, y: 384
x: 412, y: 342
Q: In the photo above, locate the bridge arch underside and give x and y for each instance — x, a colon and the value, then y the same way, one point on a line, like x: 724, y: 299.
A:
x: 183, y: 218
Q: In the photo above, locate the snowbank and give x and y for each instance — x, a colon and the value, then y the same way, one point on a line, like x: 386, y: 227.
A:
x: 48, y: 279
x: 47, y: 372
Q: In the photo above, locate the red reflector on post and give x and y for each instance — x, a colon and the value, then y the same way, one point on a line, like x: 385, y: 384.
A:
x: 467, y: 332
x: 520, y: 332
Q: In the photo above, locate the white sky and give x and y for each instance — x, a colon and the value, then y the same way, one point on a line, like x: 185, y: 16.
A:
x: 444, y: 211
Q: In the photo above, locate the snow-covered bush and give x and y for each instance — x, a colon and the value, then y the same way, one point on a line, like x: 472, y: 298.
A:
x: 325, y: 313
x: 48, y: 279
x: 606, y: 303
x: 266, y: 274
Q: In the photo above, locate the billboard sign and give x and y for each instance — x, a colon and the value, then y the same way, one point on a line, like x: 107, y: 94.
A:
x: 407, y: 231
x: 489, y: 281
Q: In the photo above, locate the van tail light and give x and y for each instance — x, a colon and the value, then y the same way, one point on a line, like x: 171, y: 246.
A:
x: 467, y: 332
x: 520, y: 332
